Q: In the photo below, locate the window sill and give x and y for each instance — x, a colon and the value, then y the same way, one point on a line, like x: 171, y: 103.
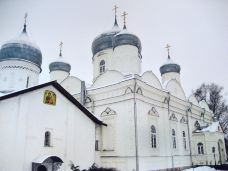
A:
x: 48, y: 146
x: 107, y: 150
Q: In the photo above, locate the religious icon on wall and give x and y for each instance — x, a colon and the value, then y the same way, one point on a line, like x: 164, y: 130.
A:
x: 49, y: 97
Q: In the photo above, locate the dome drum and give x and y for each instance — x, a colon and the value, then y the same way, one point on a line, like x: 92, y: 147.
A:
x: 59, y: 66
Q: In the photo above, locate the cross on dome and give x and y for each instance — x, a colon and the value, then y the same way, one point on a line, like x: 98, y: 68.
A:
x: 115, y: 10
x: 25, y: 17
x: 124, y: 15
x: 25, y: 22
x: 168, y: 47
x: 60, y: 48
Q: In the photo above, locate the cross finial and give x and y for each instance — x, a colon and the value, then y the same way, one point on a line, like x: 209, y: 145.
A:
x: 115, y: 9
x: 25, y: 18
x: 168, y: 47
x: 124, y: 15
x: 25, y: 22
x: 60, y: 48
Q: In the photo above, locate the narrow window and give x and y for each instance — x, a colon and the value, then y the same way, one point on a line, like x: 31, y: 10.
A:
x: 174, y: 139
x: 184, y: 140
x: 96, y: 145
x: 27, y: 82
x: 153, y: 137
x: 200, y: 148
x: 47, y: 139
x: 102, y: 66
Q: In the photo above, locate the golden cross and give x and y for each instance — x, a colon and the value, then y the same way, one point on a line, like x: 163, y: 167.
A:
x: 60, y: 48
x: 115, y: 9
x: 124, y: 16
x: 167, y: 47
x: 25, y: 17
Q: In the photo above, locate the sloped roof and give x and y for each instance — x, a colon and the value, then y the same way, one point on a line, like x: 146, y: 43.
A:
x: 63, y: 92
x: 210, y: 128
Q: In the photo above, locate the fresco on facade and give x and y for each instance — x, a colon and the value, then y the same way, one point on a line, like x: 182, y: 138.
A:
x: 49, y: 97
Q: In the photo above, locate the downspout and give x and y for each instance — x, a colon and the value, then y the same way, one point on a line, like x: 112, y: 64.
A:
x: 167, y: 100
x: 83, y: 93
x: 189, y: 138
x: 136, y: 128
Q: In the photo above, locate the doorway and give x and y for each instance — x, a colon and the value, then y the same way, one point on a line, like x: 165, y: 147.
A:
x: 41, y: 168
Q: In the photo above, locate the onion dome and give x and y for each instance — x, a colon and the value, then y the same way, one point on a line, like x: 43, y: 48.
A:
x: 126, y: 38
x: 105, y: 40
x: 170, y: 66
x: 60, y: 64
x: 21, y: 48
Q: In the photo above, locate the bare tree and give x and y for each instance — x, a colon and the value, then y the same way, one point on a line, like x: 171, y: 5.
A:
x: 213, y: 95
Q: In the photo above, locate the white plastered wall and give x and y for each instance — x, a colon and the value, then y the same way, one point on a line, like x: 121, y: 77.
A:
x: 14, y: 75
x: 23, y: 126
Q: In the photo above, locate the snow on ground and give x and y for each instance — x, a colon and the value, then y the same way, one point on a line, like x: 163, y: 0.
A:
x: 203, y: 168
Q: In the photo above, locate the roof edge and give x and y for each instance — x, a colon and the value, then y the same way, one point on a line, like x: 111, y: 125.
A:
x: 63, y: 92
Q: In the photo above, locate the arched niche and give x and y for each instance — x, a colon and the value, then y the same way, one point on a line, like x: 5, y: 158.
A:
x: 174, y: 87
x: 203, y: 104
x: 72, y: 84
x: 193, y: 100
x: 107, y: 78
x: 150, y: 78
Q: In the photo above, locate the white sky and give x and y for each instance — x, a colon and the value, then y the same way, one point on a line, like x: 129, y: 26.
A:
x: 197, y: 30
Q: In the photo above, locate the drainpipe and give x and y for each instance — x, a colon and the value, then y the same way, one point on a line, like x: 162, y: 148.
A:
x: 83, y: 90
x: 136, y: 128
x: 189, y: 136
x: 167, y: 101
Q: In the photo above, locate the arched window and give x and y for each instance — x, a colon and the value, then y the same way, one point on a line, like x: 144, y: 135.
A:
x: 200, y: 148
x: 174, y: 139
x: 47, y: 139
x: 184, y: 140
x: 153, y: 136
x: 102, y: 66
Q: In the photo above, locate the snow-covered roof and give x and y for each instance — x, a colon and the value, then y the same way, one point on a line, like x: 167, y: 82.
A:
x: 124, y: 31
x: 115, y: 29
x: 23, y: 38
x: 211, y: 128
x: 21, y: 48
x: 169, y: 61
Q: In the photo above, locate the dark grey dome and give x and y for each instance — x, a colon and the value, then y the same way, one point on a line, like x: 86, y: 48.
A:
x: 170, y: 66
x: 126, y: 38
x: 59, y: 66
x: 21, y: 48
x: 105, y: 40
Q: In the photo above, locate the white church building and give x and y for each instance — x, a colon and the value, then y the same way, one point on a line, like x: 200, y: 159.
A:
x: 127, y: 119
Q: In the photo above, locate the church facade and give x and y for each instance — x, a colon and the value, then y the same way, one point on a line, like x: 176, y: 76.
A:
x: 127, y: 119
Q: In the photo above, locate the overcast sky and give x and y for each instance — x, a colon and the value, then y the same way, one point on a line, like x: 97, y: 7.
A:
x: 197, y: 30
